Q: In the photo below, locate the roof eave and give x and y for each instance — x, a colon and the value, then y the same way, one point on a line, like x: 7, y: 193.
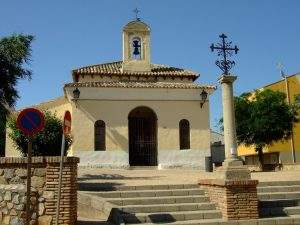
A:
x: 193, y: 76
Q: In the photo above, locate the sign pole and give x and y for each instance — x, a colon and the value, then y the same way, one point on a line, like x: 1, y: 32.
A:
x: 30, y: 121
x: 60, y: 177
x: 28, y: 194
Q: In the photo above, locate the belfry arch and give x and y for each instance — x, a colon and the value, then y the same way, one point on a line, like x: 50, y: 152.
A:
x: 142, y: 135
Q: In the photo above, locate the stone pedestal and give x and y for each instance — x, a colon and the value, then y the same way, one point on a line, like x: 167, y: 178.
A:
x: 232, y: 189
x: 236, y: 199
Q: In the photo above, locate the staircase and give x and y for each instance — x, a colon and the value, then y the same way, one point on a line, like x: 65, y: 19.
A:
x: 180, y: 204
x: 176, y: 204
x: 281, y: 198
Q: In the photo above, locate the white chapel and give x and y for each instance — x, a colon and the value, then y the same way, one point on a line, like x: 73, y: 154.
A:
x: 133, y: 112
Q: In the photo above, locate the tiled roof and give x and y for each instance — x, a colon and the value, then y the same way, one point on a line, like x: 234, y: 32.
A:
x: 115, y: 68
x: 127, y: 84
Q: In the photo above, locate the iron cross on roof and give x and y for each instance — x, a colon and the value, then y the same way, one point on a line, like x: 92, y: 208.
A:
x: 224, y: 50
x: 136, y: 11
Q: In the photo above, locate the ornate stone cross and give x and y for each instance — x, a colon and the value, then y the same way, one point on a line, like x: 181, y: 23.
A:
x: 224, y: 50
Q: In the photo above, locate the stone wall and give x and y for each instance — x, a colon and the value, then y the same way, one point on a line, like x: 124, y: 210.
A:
x: 236, y: 199
x: 44, y: 183
x: 13, y: 204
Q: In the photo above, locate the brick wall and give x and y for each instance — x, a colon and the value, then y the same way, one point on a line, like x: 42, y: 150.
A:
x: 44, y: 176
x: 237, y: 199
x: 68, y: 209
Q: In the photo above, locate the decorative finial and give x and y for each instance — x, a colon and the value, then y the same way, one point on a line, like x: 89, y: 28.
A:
x: 280, y: 66
x: 224, y: 50
x: 137, y: 11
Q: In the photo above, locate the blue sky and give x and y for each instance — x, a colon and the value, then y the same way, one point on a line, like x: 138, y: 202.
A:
x: 75, y: 33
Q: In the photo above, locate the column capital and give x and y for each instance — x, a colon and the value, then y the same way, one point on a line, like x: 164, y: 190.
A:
x: 227, y: 78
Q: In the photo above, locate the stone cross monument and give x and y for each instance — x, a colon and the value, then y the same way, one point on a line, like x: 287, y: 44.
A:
x: 232, y: 163
x: 231, y: 188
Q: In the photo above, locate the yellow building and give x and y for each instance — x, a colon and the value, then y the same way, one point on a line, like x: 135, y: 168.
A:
x: 280, y: 152
x: 135, y: 113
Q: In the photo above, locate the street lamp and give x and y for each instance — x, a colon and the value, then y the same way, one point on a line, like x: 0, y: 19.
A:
x: 76, y: 95
x: 203, y: 96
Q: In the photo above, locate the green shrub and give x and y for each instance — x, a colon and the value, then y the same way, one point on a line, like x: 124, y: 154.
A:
x: 45, y: 143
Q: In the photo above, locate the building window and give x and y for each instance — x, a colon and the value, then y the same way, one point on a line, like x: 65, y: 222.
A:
x: 184, y: 134
x: 100, y: 135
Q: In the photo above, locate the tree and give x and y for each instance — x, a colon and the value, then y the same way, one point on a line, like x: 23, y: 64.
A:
x: 263, y: 118
x: 2, y: 131
x: 15, y: 53
x: 46, y: 143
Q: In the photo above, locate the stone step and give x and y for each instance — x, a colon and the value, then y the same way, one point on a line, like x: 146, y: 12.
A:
x: 150, y: 193
x: 278, y: 195
x: 280, y: 211
x: 292, y: 210
x: 279, y: 203
x: 167, y: 207
x: 293, y: 220
x: 158, y: 200
x: 88, y: 221
x: 171, y: 216
x: 292, y: 188
x: 192, y: 222
x: 157, y: 187
x: 278, y: 183
x: 84, y: 186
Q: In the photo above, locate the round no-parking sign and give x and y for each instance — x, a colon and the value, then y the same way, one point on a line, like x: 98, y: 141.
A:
x: 31, y: 121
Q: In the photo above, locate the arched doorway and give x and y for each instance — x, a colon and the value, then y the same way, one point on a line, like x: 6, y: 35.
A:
x: 142, y: 127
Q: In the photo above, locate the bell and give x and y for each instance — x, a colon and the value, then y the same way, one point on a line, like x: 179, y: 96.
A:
x: 136, y: 51
x: 136, y: 46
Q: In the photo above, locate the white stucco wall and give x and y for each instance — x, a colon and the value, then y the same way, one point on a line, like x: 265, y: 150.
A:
x: 113, y: 106
x: 115, y: 115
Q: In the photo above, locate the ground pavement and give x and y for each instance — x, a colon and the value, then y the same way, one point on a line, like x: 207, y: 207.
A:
x: 175, y: 176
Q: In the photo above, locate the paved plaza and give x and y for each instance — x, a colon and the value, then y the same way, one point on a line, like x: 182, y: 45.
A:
x: 173, y: 176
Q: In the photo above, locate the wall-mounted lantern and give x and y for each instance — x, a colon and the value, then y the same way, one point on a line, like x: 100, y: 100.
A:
x: 76, y: 95
x: 203, y: 96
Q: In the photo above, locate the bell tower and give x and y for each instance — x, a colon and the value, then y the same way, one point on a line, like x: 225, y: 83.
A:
x: 136, y: 47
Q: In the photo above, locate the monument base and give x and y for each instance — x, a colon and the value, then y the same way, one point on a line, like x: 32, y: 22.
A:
x: 233, y: 191
x: 233, y: 172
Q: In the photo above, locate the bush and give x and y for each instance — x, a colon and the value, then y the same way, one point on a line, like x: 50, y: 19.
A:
x: 45, y: 143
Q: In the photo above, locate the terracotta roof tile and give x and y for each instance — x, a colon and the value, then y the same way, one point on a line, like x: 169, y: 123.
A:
x: 115, y: 68
x: 129, y: 84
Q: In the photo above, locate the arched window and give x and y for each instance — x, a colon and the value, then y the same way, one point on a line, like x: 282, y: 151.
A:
x: 100, y: 135
x: 184, y: 134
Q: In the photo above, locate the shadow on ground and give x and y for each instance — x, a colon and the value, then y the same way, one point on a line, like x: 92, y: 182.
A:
x: 86, y: 186
x: 86, y: 177
x: 82, y: 222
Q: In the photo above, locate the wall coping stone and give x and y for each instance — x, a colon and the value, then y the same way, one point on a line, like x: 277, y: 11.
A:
x: 37, y: 160
x: 227, y: 183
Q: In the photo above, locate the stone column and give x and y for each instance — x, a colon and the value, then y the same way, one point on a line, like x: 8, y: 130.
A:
x: 229, y: 121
